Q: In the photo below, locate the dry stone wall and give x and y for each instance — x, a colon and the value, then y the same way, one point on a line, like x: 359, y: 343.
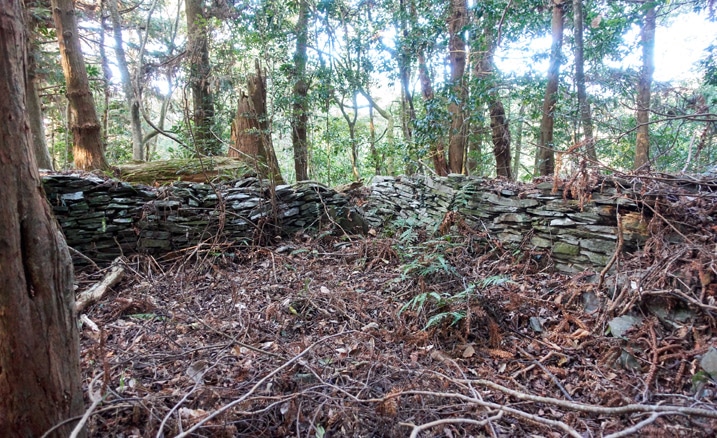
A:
x: 102, y: 219
x: 579, y: 237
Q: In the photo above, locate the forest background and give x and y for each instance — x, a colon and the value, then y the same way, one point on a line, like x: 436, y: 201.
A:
x: 337, y: 90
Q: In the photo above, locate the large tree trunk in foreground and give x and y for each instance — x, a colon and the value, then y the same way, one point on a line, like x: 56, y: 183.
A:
x: 642, y: 144
x: 251, y: 132
x: 457, y: 55
x: 39, y: 345
x: 546, y: 148
x: 85, y: 126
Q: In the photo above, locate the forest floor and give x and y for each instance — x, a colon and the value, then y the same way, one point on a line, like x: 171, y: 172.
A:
x: 404, y: 334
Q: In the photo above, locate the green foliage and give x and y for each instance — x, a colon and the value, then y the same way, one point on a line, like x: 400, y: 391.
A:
x: 440, y: 307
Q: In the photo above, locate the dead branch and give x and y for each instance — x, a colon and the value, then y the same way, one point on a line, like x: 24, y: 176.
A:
x: 420, y: 428
x: 97, y: 291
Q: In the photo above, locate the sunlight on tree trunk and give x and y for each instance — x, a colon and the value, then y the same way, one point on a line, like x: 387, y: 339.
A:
x: 40, y: 383
x: 642, y: 144
x: 546, y: 148
x: 87, y: 141
x: 457, y: 46
x: 583, y: 104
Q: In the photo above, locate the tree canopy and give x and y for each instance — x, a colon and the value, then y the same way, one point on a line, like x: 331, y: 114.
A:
x: 358, y: 88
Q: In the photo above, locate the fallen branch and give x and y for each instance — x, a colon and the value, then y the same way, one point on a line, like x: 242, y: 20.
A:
x: 420, y: 428
x: 97, y: 291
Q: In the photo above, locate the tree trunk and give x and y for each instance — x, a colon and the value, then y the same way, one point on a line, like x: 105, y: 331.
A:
x: 518, y: 142
x: 34, y: 105
x: 251, y: 133
x: 87, y: 140
x: 351, y: 122
x: 642, y: 145
x: 457, y: 47
x: 130, y: 93
x: 40, y: 382
x: 106, y: 75
x: 437, y: 149
x: 389, y: 130
x: 501, y: 139
x: 408, y: 111
x: 583, y: 104
x: 498, y: 121
x: 300, y: 114
x: 546, y: 148
x: 199, y: 75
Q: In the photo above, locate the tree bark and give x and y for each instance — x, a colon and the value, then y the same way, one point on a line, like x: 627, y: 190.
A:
x: 457, y: 47
x: 87, y: 141
x: 300, y: 113
x: 498, y: 121
x: 389, y: 129
x: 437, y: 149
x: 403, y: 59
x: 546, y: 148
x: 40, y: 383
x: 251, y: 133
x: 199, y: 76
x: 518, y: 142
x: 583, y: 104
x: 34, y: 105
x: 642, y: 144
x: 131, y: 95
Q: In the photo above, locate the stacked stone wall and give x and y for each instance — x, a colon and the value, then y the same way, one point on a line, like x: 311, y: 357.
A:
x: 104, y: 219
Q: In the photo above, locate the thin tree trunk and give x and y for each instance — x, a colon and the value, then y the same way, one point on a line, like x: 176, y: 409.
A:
x: 642, y: 144
x: 106, y: 76
x: 437, y: 149
x: 87, y: 140
x: 498, y: 120
x: 583, y: 104
x: 546, y: 148
x: 389, y: 126
x: 130, y: 94
x: 518, y: 142
x: 457, y: 47
x: 40, y: 381
x: 300, y: 113
x: 34, y: 105
x: 407, y: 8
x: 199, y: 77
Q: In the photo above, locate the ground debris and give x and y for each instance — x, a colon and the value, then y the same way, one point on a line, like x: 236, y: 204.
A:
x: 394, y: 336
